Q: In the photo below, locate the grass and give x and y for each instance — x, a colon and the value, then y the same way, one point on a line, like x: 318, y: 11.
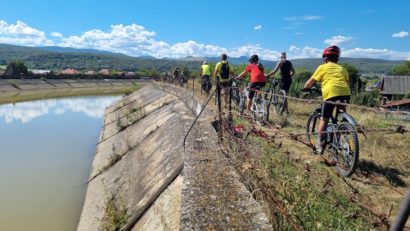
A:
x: 115, y: 214
x: 315, y: 197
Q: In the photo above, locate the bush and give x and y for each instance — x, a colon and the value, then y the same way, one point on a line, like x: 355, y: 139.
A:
x: 368, y: 98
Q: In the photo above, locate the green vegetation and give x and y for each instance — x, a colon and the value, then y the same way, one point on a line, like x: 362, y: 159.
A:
x: 403, y: 69
x: 311, y: 196
x: 58, y: 59
x: 115, y: 216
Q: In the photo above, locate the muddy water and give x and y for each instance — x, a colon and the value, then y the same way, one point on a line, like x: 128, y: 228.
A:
x: 46, y: 150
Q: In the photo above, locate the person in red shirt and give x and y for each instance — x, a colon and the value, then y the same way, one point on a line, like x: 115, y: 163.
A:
x: 258, y: 78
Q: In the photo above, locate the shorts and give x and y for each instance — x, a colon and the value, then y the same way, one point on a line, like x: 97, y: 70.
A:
x: 285, y: 84
x: 255, y: 86
x: 226, y: 84
x: 327, y: 108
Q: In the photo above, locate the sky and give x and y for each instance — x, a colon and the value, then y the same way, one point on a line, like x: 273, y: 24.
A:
x: 180, y: 28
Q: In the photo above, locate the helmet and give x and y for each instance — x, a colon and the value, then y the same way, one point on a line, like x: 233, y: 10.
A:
x: 283, y: 54
x: 332, y: 50
x: 254, y: 59
x: 205, y: 62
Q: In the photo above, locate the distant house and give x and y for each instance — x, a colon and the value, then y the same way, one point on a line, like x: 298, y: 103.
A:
x: 70, y: 71
x: 104, y: 72
x: 40, y: 72
x: 11, y: 70
x: 90, y: 73
x: 395, y: 85
x: 130, y: 73
x: 399, y: 105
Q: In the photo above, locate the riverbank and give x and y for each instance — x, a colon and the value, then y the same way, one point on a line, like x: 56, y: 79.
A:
x: 19, y: 90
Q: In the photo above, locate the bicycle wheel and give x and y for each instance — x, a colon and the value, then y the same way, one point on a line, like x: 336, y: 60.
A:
x: 259, y: 109
x: 280, y: 102
x: 347, y: 154
x: 312, y: 126
x: 241, y: 106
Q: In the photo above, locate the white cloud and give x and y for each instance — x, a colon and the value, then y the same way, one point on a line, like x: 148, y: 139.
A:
x: 56, y: 34
x: 22, y: 34
x: 258, y: 27
x: 305, y: 52
x: 28, y: 111
x: 339, y: 39
x: 135, y: 40
x: 299, y: 33
x: 400, y: 34
x: 303, y: 18
x: 376, y: 54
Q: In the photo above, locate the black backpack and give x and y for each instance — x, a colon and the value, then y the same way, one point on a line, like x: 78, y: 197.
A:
x: 224, y: 73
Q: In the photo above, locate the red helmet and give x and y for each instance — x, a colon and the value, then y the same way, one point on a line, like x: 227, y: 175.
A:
x: 332, y: 50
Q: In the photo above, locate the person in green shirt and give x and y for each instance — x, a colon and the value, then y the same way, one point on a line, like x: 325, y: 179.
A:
x: 223, y: 72
x: 205, y: 73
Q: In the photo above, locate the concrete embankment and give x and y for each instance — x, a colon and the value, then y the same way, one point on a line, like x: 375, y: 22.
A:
x: 141, y: 164
x: 17, y: 90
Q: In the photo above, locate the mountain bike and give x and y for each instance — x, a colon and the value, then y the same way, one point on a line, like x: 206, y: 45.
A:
x: 341, y: 138
x: 239, y: 94
x: 206, y: 84
x: 260, y: 106
x: 277, y: 97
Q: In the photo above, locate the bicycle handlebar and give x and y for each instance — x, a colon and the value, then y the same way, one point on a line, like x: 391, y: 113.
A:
x: 313, y: 89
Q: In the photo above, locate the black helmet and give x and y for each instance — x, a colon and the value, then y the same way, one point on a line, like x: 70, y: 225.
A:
x: 254, y: 59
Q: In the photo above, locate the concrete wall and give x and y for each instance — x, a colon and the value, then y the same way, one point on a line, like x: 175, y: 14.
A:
x: 140, y: 159
x: 17, y: 90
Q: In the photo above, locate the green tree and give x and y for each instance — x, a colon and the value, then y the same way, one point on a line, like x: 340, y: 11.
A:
x: 356, y: 84
x: 403, y: 69
x: 21, y: 67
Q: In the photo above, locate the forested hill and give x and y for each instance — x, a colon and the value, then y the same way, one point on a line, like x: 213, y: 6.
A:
x: 58, y: 58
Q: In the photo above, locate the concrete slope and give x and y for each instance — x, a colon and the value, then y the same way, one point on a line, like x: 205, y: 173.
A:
x: 138, y: 156
x: 141, y: 161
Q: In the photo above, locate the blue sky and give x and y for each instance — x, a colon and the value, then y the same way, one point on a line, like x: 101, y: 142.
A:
x: 179, y: 28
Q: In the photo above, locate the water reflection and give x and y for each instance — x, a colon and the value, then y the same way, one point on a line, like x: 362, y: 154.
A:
x: 27, y: 111
x: 46, y: 152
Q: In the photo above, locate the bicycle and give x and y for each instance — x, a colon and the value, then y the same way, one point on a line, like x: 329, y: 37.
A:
x: 341, y: 138
x: 206, y: 84
x: 239, y: 94
x: 277, y: 98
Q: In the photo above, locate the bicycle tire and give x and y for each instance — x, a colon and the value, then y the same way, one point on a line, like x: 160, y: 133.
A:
x: 353, y: 155
x: 312, y: 126
x: 260, y: 113
x: 280, y: 102
x: 241, y: 106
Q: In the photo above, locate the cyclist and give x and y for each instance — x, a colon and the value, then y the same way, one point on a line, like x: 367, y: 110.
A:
x: 335, y: 87
x: 258, y: 78
x: 222, y: 73
x: 175, y: 75
x: 205, y: 73
x: 286, y: 72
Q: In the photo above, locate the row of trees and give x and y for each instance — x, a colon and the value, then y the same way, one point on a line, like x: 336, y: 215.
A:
x: 403, y: 69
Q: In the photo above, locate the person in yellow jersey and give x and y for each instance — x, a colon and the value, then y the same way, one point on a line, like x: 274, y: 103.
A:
x: 335, y: 87
x: 223, y: 72
x: 205, y: 73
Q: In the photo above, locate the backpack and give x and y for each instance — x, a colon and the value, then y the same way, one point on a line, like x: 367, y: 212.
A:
x: 224, y: 73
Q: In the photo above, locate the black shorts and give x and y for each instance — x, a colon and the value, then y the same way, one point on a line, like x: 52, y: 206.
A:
x: 327, y: 108
x: 285, y: 84
x: 255, y: 86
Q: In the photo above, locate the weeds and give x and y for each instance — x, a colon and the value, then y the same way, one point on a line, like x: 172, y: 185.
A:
x: 115, y: 214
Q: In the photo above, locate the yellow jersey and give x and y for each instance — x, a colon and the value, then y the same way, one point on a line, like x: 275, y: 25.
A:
x: 218, y: 70
x: 334, y: 78
x: 206, y: 69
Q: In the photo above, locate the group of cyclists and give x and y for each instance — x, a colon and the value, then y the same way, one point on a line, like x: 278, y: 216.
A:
x: 333, y: 77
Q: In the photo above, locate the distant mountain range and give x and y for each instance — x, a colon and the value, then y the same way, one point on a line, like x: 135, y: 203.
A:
x: 58, y: 58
